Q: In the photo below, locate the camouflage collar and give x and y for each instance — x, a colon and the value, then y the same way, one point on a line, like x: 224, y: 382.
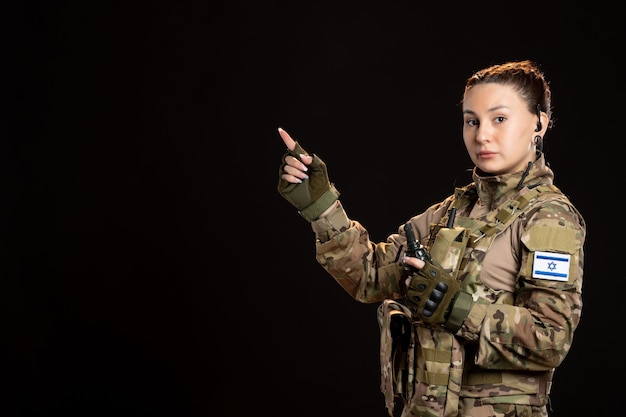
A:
x: 492, y: 190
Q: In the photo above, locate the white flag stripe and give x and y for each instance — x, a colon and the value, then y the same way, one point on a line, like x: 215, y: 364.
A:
x: 554, y: 266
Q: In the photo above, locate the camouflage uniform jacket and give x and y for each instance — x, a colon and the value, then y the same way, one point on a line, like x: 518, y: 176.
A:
x: 518, y: 325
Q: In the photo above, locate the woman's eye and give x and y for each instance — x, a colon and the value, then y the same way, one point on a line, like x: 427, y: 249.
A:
x: 471, y: 122
x: 500, y: 119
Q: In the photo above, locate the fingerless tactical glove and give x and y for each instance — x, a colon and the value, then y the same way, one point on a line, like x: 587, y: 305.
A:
x: 435, y: 297
x: 315, y: 194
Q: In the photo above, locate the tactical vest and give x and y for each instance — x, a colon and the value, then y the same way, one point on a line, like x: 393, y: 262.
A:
x: 424, y: 366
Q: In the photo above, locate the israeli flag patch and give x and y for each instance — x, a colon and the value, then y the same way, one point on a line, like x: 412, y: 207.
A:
x: 552, y: 266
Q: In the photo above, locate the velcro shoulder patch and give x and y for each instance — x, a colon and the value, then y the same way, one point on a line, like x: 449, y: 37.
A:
x: 551, y: 235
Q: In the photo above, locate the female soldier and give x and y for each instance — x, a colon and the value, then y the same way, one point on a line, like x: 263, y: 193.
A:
x: 492, y: 283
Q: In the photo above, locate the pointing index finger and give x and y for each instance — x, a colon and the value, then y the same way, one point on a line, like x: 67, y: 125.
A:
x: 289, y: 142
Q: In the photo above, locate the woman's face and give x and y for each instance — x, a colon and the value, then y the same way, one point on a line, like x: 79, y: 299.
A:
x: 498, y: 129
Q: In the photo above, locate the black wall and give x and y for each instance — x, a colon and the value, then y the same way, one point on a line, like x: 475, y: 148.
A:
x: 150, y: 268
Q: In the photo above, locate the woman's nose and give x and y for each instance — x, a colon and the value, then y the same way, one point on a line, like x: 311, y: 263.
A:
x: 482, y: 135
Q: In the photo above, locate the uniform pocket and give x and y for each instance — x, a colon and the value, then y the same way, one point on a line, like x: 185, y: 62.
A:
x: 449, y: 247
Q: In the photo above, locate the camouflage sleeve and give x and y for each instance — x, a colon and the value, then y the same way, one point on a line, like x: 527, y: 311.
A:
x: 534, y: 331
x: 369, y: 272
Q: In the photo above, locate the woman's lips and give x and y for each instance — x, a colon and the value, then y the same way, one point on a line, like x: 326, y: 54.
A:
x: 486, y: 154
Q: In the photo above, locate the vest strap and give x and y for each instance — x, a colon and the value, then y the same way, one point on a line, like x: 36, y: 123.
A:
x: 436, y: 355
x: 431, y: 378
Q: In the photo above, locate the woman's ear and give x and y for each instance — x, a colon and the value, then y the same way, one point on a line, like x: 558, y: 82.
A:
x: 542, y: 123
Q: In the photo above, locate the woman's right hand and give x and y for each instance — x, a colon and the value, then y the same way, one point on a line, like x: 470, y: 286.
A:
x: 304, y: 182
x: 295, y: 170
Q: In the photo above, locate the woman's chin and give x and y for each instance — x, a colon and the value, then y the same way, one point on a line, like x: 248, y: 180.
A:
x: 489, y: 168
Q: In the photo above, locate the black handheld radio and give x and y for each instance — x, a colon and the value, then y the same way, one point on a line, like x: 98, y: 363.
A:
x: 413, y: 247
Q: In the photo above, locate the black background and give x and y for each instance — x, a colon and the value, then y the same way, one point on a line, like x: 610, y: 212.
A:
x: 150, y: 268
